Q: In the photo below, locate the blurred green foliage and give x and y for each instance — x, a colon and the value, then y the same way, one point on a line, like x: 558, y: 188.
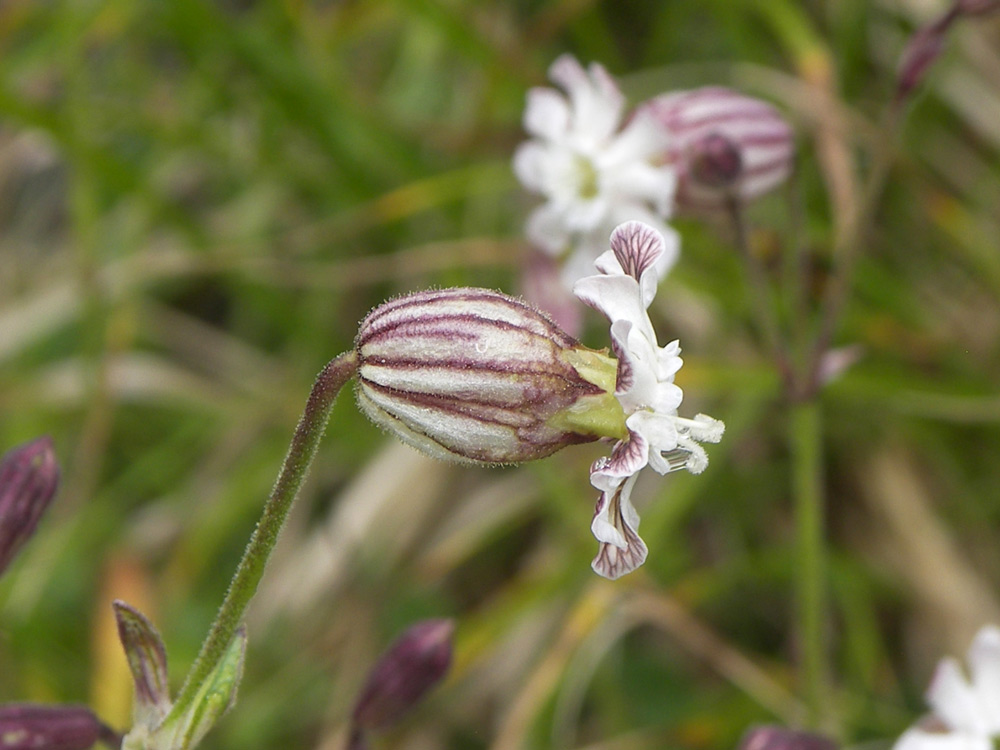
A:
x: 200, y: 200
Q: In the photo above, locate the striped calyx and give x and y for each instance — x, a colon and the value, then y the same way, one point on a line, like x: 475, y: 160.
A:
x: 723, y: 145
x: 477, y: 376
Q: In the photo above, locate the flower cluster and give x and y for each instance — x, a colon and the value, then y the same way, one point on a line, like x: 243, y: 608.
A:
x: 598, y: 166
x: 656, y: 435
x: 477, y: 376
x: 593, y: 171
x: 965, y: 714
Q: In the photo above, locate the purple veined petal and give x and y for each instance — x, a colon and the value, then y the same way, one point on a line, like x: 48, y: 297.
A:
x: 615, y: 526
x: 546, y: 114
x: 620, y: 331
x: 658, y: 430
x: 984, y: 664
x: 627, y: 458
x: 953, y: 699
x: 637, y: 247
x: 621, y: 214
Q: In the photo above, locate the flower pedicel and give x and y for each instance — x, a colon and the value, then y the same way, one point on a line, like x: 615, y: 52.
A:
x: 476, y: 376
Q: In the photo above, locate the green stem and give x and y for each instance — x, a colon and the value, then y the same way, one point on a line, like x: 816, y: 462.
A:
x: 251, y: 568
x: 807, y: 476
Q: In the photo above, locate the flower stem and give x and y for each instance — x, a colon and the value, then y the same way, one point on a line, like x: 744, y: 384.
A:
x: 243, y: 586
x: 807, y: 477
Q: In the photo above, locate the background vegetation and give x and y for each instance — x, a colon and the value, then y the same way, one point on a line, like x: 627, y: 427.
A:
x: 200, y: 200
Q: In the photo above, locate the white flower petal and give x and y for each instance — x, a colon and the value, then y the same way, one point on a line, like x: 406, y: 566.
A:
x: 530, y: 162
x: 547, y: 229
x: 618, y: 297
x: 984, y: 664
x: 546, y: 114
x: 953, y: 700
x: 918, y: 739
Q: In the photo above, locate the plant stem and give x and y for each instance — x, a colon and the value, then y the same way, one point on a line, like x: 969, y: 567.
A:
x: 760, y: 290
x: 807, y: 477
x: 243, y: 586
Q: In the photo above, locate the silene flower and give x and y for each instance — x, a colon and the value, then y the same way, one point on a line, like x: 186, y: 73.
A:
x: 477, y: 376
x: 965, y: 713
x: 655, y: 435
x: 594, y: 172
x: 723, y: 145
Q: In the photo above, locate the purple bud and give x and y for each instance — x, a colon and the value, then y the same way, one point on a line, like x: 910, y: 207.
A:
x: 28, y: 479
x: 31, y: 726
x: 921, y: 51
x: 976, y: 7
x: 416, y: 662
x: 723, y: 144
x: 779, y: 738
x: 475, y: 375
x: 147, y: 660
x: 715, y: 161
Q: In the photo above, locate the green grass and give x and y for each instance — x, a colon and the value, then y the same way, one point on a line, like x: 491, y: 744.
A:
x: 200, y: 200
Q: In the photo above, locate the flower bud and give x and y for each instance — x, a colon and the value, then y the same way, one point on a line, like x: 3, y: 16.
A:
x: 779, y: 738
x: 477, y: 376
x: 28, y: 479
x: 416, y: 662
x: 31, y: 726
x: 723, y: 145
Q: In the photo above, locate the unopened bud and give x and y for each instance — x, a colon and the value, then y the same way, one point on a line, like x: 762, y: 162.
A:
x: 477, y: 376
x: 976, y: 7
x: 715, y: 161
x: 723, y: 144
x: 31, y: 726
x: 921, y: 51
x: 779, y: 738
x: 28, y: 479
x: 416, y: 662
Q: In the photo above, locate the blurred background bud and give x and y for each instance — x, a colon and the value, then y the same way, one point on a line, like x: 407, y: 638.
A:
x: 920, y: 53
x: 30, y: 726
x: 779, y: 738
x: 416, y: 662
x: 715, y: 161
x: 29, y: 476
x: 147, y: 661
x: 723, y: 144
x: 976, y: 7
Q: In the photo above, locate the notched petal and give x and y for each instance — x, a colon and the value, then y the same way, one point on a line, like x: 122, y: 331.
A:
x: 637, y: 246
x: 615, y: 526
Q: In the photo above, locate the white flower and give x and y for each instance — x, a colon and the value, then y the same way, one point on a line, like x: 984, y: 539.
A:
x: 593, y: 173
x: 645, y: 388
x: 966, y: 714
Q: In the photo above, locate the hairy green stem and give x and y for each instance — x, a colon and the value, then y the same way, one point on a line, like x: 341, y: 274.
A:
x: 810, y: 586
x: 251, y: 568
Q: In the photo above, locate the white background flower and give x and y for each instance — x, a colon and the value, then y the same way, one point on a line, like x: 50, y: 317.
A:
x: 966, y: 713
x: 593, y: 173
x: 645, y: 388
